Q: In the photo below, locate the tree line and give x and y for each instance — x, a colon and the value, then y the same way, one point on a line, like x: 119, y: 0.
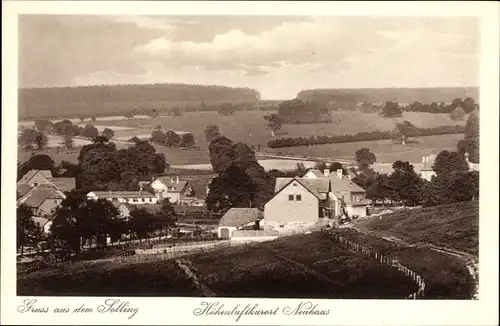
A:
x: 170, y: 138
x: 364, y: 136
x: 298, y: 112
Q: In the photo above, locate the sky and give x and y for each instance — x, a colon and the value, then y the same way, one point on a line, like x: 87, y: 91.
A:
x: 276, y: 55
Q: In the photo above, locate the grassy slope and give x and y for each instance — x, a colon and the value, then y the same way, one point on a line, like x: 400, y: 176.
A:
x: 446, y: 277
x: 319, y: 269
x: 455, y: 226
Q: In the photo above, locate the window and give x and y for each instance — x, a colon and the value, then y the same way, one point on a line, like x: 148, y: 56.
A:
x: 298, y: 197
x: 294, y: 184
x: 290, y: 197
x: 143, y: 200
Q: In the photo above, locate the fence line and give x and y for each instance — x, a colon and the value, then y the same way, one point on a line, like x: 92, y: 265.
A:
x: 383, y: 259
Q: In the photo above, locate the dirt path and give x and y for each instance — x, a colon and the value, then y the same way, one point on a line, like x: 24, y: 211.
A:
x: 471, y: 261
x: 185, y: 266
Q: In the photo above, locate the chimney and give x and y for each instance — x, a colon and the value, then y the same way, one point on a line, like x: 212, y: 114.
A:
x: 349, y: 177
x: 339, y: 173
x: 177, y: 179
x: 327, y: 172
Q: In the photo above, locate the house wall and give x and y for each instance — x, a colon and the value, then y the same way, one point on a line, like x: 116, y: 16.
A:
x: 282, y: 210
x: 174, y: 197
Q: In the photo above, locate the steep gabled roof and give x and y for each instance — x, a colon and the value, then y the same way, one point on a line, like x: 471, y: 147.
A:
x: 343, y: 184
x: 38, y: 195
x: 64, y: 184
x: 318, y: 187
x: 23, y: 189
x: 31, y: 173
x: 240, y: 216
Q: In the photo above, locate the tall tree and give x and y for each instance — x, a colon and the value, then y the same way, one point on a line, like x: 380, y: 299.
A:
x: 43, y: 125
x: 222, y: 154
x: 108, y: 133
x: 232, y: 188
x: 211, y: 132
x: 28, y: 137
x: 403, y: 131
x: 447, y: 162
x: 90, y: 131
x: 38, y: 162
x: 457, y: 114
x: 187, y: 140
x: 365, y: 158
x: 158, y: 136
x: 140, y: 223
x: 391, y: 110
x: 406, y: 182
x: 274, y: 123
x: 172, y: 139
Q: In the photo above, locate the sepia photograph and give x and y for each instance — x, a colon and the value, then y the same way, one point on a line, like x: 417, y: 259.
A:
x: 284, y: 156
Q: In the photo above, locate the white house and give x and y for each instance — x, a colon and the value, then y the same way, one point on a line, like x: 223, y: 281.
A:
x: 140, y: 197
x: 168, y: 187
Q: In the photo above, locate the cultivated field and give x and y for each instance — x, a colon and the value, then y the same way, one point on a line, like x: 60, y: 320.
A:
x: 302, y: 266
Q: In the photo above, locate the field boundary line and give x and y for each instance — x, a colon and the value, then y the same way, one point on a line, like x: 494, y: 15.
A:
x: 184, y: 266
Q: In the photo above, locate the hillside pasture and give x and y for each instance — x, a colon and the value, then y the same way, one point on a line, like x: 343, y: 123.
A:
x: 454, y: 226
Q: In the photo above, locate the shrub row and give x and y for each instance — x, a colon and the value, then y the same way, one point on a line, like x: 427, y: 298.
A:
x: 362, y: 136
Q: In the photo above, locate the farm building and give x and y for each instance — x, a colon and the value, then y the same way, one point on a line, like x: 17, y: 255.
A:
x: 310, y: 198
x: 239, y: 219
x: 42, y: 200
x: 130, y: 197
x: 169, y: 187
x: 35, y: 178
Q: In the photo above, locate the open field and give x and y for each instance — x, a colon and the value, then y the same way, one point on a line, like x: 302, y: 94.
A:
x: 446, y: 277
x: 385, y: 150
x: 249, y: 126
x: 302, y: 266
x: 454, y: 226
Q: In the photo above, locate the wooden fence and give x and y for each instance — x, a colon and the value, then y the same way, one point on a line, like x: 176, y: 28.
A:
x: 419, y: 281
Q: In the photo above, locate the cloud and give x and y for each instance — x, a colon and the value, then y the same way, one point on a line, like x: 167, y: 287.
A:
x: 320, y: 42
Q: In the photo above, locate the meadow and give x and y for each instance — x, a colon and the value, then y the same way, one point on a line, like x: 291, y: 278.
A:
x: 249, y: 127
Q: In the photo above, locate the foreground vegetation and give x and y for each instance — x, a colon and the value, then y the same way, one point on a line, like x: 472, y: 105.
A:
x: 303, y: 266
x: 453, y: 226
x: 446, y: 276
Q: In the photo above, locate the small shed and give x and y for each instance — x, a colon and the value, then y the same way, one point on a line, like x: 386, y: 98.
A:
x: 238, y: 219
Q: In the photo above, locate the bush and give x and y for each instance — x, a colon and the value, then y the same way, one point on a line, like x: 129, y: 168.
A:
x: 457, y: 114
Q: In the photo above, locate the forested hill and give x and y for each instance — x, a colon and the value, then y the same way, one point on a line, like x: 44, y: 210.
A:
x: 118, y: 99
x: 401, y: 95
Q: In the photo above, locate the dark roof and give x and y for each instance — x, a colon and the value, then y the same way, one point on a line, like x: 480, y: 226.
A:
x: 123, y: 194
x: 38, y: 195
x: 64, y: 184
x: 31, y: 173
x: 240, y: 216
